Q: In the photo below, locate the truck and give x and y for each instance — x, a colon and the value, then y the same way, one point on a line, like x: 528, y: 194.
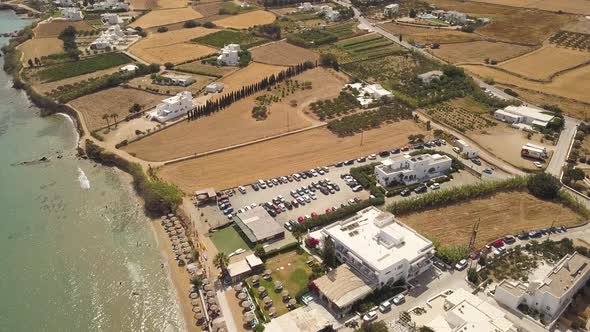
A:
x: 533, y: 151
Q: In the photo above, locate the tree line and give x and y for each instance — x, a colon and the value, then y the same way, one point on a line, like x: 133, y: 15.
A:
x: 229, y: 98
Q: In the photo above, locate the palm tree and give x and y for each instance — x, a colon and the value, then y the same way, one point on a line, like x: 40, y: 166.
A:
x: 114, y: 116
x: 221, y: 261
x: 106, y: 118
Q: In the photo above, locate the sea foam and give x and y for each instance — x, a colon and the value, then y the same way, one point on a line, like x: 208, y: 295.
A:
x: 83, y: 179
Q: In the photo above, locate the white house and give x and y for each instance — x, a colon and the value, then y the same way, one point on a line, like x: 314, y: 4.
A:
x: 451, y: 16
x: 550, y: 295
x: 108, y: 38
x: 110, y: 19
x: 368, y: 92
x: 466, y: 150
x: 406, y: 169
x: 524, y: 115
x: 173, y: 79
x: 429, y: 76
x: 229, y: 55
x: 305, y: 7
x: 391, y: 9
x: 128, y: 68
x: 72, y: 14
x: 172, y: 107
x: 110, y: 5
x: 377, y: 250
x: 214, y: 87
x: 466, y: 312
x: 330, y: 14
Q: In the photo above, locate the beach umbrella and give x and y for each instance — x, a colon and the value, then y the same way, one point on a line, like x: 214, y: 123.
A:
x: 194, y: 295
x: 178, y: 226
x: 255, y: 277
x: 292, y: 302
x: 285, y: 293
x: 267, y: 300
x: 214, y: 307
x: 195, y: 302
x: 248, y: 317
x: 205, y: 281
x: 242, y: 296
x: 208, y: 287
x: 199, y: 316
x: 267, y: 272
x: 210, y: 294
x: 261, y: 289
x: 211, y: 301
x: 221, y: 330
x: 164, y: 217
x: 278, y: 285
x: 187, y: 250
x: 272, y: 311
x: 196, y: 309
x: 238, y: 288
x: 170, y: 215
x: 245, y: 304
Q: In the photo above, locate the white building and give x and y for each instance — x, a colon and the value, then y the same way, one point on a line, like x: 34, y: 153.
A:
x: 173, y: 79
x: 306, y: 7
x: 466, y: 312
x: 368, y: 93
x: 110, y: 5
x: 214, y: 87
x: 429, y: 76
x: 391, y: 9
x: 550, y: 295
x: 110, y: 19
x: 108, y: 38
x: 128, y: 68
x: 524, y: 115
x: 172, y: 107
x: 467, y: 151
x: 330, y: 14
x: 451, y: 16
x: 229, y: 55
x: 64, y: 3
x: 406, y: 169
x: 71, y: 14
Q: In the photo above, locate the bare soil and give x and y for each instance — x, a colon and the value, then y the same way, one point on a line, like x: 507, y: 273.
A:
x: 542, y: 64
x: 283, y: 156
x: 39, y: 47
x: 478, y: 51
x: 425, y: 35
x: 45, y: 88
x: 246, y: 20
x: 283, y: 54
x: 500, y: 215
x: 200, y: 82
x: 253, y: 73
x: 116, y: 100
x: 162, y: 17
x: 236, y: 125
x: 54, y: 28
x: 567, y: 6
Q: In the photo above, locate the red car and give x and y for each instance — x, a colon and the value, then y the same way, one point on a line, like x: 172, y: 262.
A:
x: 405, y: 148
x: 300, y: 219
x: 474, y: 255
x: 498, y: 243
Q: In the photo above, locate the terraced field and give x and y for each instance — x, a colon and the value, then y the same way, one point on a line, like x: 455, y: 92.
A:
x: 363, y: 48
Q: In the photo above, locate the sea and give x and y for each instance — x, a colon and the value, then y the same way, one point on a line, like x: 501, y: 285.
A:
x: 77, y: 252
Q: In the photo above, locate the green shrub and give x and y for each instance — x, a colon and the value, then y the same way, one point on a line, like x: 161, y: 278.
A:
x: 544, y: 186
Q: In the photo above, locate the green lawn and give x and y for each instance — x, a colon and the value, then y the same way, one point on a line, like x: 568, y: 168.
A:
x: 220, y: 38
x: 231, y: 8
x: 77, y: 68
x: 228, y: 239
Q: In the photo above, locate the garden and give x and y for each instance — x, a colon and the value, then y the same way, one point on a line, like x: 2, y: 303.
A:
x: 81, y: 67
x: 344, y: 104
x: 316, y: 37
x: 570, y: 39
x: 228, y: 239
x: 458, y: 118
x: 277, y: 93
x: 224, y: 37
x: 367, y: 120
x: 363, y: 48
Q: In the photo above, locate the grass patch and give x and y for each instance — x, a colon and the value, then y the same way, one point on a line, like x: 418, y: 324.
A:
x: 220, y: 38
x: 228, y: 240
x: 81, y: 67
x: 231, y: 8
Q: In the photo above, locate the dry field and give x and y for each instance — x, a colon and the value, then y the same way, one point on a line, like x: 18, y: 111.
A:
x: 283, y: 156
x: 116, y: 100
x: 283, y: 54
x: 143, y: 4
x: 581, y: 25
x: 247, y: 20
x: 547, y: 61
x: 166, y: 16
x: 253, y: 73
x: 572, y: 84
x: 172, y: 46
x: 478, y: 51
x: 208, y: 9
x: 197, y: 86
x: 39, y: 47
x: 568, y: 6
x: 196, y: 67
x: 500, y: 215
x: 54, y: 28
x: 164, y: 4
x: 424, y: 35
x: 506, y: 142
x: 45, y: 88
x: 236, y: 125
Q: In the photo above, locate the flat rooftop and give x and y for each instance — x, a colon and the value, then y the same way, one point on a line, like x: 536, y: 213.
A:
x: 257, y: 224
x: 343, y: 287
x: 566, y: 273
x: 542, y: 115
x: 378, y: 238
x: 310, y: 318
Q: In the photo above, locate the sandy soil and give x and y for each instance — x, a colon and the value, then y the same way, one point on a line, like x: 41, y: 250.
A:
x: 235, y: 124
x: 253, y: 73
x: 581, y: 25
x: 424, y: 35
x: 506, y: 142
x: 39, y: 47
x: 545, y: 62
x: 197, y: 86
x: 283, y: 54
x: 283, y: 156
x: 208, y: 9
x: 176, y: 53
x: 54, y: 28
x: 247, y: 20
x: 48, y: 87
x: 157, y: 39
x: 197, y: 66
x: 568, y: 6
x: 478, y: 51
x: 172, y: 3
x: 500, y: 215
x: 166, y: 16
x: 573, y: 84
x: 116, y: 100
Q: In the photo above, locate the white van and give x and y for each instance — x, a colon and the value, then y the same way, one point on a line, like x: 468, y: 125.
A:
x: 262, y: 184
x: 385, y: 306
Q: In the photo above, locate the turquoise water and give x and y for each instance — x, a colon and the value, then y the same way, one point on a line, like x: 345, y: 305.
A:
x: 77, y: 252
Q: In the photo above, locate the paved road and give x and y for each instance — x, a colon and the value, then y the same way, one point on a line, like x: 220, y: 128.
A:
x: 563, y: 144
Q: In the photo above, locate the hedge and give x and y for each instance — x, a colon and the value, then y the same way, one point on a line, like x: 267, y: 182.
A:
x: 285, y: 248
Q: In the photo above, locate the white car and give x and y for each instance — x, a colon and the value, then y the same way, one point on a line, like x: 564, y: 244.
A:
x: 461, y: 265
x: 313, y: 196
x: 456, y: 149
x: 435, y: 186
x: 253, y: 205
x: 538, y: 164
x: 372, y: 157
x: 399, y: 299
x: 370, y: 316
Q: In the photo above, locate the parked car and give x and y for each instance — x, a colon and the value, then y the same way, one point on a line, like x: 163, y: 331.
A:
x: 361, y: 160
x: 523, y: 236
x: 509, y: 239
x: 461, y: 265
x: 349, y: 162
x: 476, y: 161
x: 405, y: 192
x: 474, y: 255
x: 405, y: 148
x: 498, y: 243
x: 384, y: 154
x: 372, y: 157
x: 435, y: 186
x: 421, y: 189
x: 456, y: 149
x: 487, y: 171
x: 399, y: 299
x: 254, y: 186
x: 339, y: 164
x: 289, y: 225
x: 370, y: 316
x: 385, y: 306
x: 357, y: 188
x: 395, y: 151
x: 535, y: 234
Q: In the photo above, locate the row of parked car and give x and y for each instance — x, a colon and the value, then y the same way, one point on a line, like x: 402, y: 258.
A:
x: 263, y: 184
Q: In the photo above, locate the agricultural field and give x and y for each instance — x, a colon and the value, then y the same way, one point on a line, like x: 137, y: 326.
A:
x: 53, y: 29
x: 200, y: 81
x: 88, y: 65
x: 40, y: 47
x: 283, y: 156
x: 167, y: 4
x: 199, y: 68
x: 142, y: 4
x: 253, y: 73
x: 247, y: 20
x: 572, y: 84
x: 162, y: 17
x: 575, y: 40
x: 362, y: 48
x: 428, y: 36
x: 115, y: 100
x: 47, y: 88
x: 332, y: 33
x: 478, y: 51
x: 370, y: 120
x: 546, y: 62
x: 283, y: 54
x: 344, y: 104
x: 238, y: 124
x: 459, y: 118
x: 499, y: 215
x: 567, y: 6
x: 221, y: 38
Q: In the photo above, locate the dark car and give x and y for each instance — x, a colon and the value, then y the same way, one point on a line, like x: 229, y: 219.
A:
x: 476, y: 161
x: 535, y: 234
x: 349, y: 162
x: 418, y: 147
x: 406, y: 192
x: 421, y: 189
x: 339, y: 164
x: 395, y: 151
x: 438, y: 143
x: 523, y: 236
x: 254, y: 186
x: 271, y: 212
x: 509, y: 239
x: 384, y: 153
